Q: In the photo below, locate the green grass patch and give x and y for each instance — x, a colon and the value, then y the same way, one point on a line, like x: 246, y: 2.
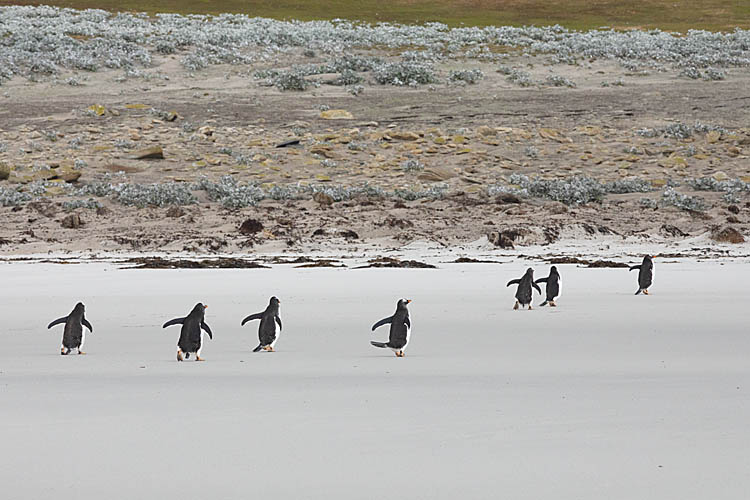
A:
x: 679, y: 15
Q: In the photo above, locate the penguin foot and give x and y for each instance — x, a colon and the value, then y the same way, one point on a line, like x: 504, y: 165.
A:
x: 64, y: 352
x: 529, y: 307
x: 400, y: 354
x: 515, y: 307
x: 81, y: 352
x: 645, y: 292
x: 552, y: 303
x: 179, y: 355
x: 198, y: 358
x: 268, y: 348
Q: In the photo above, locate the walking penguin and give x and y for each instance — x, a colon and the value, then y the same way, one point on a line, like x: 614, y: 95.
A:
x: 553, y: 287
x: 74, y: 335
x: 191, y: 337
x: 267, y: 334
x: 400, y: 329
x: 645, y: 274
x: 523, y: 292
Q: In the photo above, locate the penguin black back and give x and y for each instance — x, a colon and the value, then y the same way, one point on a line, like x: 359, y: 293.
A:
x: 523, y: 292
x: 400, y: 329
x: 269, y: 318
x: 645, y: 274
x: 73, y: 334
x: 553, y: 287
x: 191, y: 339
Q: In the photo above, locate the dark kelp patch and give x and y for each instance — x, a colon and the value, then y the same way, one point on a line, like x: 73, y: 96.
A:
x: 320, y: 263
x: 306, y: 262
x: 391, y: 262
x: 587, y: 263
x: 469, y: 260
x: 219, y: 263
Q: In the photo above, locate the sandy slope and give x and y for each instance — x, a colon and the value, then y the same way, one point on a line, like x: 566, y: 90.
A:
x: 607, y: 396
x: 463, y: 139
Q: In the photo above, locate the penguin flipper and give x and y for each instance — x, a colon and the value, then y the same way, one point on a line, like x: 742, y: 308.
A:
x: 537, y: 288
x: 633, y: 268
x: 208, y: 330
x: 176, y: 321
x: 382, y: 322
x: 514, y: 282
x: 86, y: 323
x: 260, y: 346
x: 542, y: 280
x: 407, y: 322
x: 57, y: 322
x: 278, y: 320
x: 378, y: 344
x: 252, y: 317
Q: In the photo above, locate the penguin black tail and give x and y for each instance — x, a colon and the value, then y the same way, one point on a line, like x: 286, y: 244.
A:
x: 543, y: 303
x: 258, y: 348
x: 639, y: 291
x: 378, y: 344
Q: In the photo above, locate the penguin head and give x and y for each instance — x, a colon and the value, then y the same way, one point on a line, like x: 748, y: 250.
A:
x: 648, y: 260
x: 79, y: 308
x: 530, y: 271
x: 274, y: 303
x: 199, y: 309
x: 402, y: 303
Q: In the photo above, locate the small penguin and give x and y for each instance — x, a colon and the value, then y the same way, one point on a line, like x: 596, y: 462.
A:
x: 74, y: 335
x: 553, y: 287
x: 191, y: 338
x: 400, y: 329
x: 267, y: 329
x: 523, y: 293
x: 645, y: 274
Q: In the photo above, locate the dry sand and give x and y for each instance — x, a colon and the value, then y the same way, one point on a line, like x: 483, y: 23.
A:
x: 466, y: 138
x: 607, y: 396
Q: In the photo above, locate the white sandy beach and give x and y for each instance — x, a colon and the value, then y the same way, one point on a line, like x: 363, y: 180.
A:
x: 608, y: 396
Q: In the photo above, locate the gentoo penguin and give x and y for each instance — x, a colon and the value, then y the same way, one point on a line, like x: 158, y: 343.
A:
x: 400, y: 329
x: 645, y: 274
x: 553, y: 287
x: 74, y: 334
x: 191, y: 338
x: 267, y: 329
x: 523, y: 293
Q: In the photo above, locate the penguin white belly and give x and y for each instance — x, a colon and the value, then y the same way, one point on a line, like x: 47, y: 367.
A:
x: 203, y: 339
x: 276, y: 334
x: 408, y: 332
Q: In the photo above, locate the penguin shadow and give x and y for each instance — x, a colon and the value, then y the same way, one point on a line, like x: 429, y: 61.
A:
x: 381, y: 356
x: 255, y: 355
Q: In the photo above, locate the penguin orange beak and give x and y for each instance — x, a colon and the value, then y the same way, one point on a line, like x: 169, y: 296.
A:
x: 408, y: 301
x: 205, y: 307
